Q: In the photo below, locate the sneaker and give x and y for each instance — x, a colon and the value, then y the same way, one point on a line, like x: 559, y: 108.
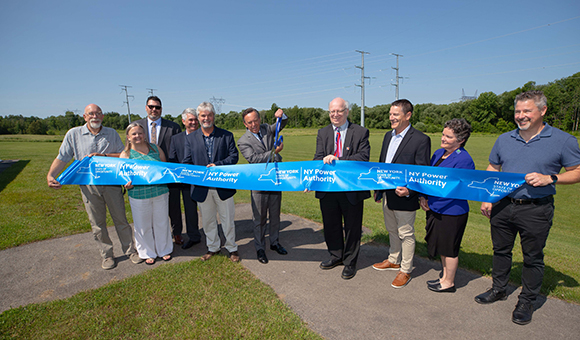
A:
x: 386, y: 265
x: 401, y: 280
x: 135, y: 258
x: 109, y: 263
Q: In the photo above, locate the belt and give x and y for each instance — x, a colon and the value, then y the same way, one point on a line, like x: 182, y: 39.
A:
x: 537, y: 201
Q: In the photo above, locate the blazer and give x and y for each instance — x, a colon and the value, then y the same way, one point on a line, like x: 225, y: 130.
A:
x: 256, y: 152
x: 459, y: 159
x: 356, y: 147
x: 224, y: 153
x: 167, y: 130
x: 415, y: 148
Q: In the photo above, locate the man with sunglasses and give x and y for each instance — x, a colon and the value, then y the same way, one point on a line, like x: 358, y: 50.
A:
x: 159, y: 131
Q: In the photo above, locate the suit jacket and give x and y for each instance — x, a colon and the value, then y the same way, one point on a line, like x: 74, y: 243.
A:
x: 224, y: 153
x: 256, y: 152
x: 415, y: 148
x: 356, y: 147
x: 167, y: 130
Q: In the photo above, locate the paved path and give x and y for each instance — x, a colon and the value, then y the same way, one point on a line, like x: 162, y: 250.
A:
x: 365, y: 307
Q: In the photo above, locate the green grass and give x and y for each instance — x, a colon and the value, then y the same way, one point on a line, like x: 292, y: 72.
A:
x: 203, y: 300
x: 30, y: 211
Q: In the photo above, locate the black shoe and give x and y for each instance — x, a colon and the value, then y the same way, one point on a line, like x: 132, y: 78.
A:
x: 279, y: 249
x: 348, y: 272
x: 262, y: 256
x: 490, y: 296
x: 433, y: 282
x: 189, y: 244
x: 437, y: 288
x: 333, y: 262
x: 522, y: 315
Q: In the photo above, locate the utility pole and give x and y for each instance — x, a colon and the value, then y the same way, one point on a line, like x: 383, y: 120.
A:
x: 151, y: 91
x: 217, y: 104
x: 362, y: 86
x: 127, y: 101
x: 397, y: 79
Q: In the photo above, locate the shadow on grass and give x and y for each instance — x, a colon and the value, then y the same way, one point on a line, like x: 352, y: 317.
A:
x: 9, y: 171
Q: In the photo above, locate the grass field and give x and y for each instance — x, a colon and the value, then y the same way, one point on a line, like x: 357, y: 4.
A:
x: 30, y: 211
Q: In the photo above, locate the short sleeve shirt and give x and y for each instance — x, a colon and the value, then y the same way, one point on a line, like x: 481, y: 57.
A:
x: 546, y: 153
x: 79, y: 142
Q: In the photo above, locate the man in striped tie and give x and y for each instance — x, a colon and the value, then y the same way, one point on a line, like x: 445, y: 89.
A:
x: 342, y: 140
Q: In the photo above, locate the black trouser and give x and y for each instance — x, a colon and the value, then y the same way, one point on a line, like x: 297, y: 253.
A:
x: 532, y: 221
x: 334, y: 206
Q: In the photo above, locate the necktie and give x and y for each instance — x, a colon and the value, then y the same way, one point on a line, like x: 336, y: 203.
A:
x: 338, y: 147
x: 261, y: 139
x: 153, y: 133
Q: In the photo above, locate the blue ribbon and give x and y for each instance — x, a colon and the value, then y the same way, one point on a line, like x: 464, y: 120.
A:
x: 476, y: 185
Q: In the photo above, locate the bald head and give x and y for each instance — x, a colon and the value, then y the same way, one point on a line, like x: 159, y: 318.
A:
x: 93, y: 116
x: 338, y: 111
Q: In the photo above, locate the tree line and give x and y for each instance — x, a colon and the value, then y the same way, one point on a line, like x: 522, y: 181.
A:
x: 488, y: 113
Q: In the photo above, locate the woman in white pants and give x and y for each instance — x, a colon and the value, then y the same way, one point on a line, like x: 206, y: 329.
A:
x: 149, y: 203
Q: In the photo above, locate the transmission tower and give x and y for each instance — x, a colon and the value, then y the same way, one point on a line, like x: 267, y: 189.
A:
x: 217, y: 104
x: 151, y: 91
x: 362, y: 86
x: 124, y: 88
x: 396, y: 85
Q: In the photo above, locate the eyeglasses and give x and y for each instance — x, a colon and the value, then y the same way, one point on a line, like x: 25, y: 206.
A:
x: 151, y: 107
x: 337, y: 111
x: 94, y: 114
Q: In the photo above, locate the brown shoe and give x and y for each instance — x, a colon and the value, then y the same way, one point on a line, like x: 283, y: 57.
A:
x: 401, y: 280
x: 208, y: 255
x: 386, y: 265
x: 178, y: 239
x: 235, y: 256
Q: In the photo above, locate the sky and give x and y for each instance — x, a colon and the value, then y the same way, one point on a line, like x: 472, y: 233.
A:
x: 63, y: 55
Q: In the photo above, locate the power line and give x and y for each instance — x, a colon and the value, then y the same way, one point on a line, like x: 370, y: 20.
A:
x: 217, y: 104
x: 127, y: 101
x: 151, y: 91
x: 396, y: 85
x: 362, y: 87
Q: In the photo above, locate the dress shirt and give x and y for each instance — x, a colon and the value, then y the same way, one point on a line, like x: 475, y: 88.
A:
x: 343, y: 129
x: 158, y: 128
x: 394, y: 143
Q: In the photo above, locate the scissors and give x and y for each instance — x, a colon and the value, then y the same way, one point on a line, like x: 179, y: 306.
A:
x: 277, y: 141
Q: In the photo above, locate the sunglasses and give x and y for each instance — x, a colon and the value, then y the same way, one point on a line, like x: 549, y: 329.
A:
x: 151, y: 107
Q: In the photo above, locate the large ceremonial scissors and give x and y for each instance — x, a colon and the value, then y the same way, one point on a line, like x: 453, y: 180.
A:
x: 277, y: 141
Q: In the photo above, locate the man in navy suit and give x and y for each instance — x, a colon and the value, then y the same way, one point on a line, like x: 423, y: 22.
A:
x: 256, y: 146
x: 403, y: 145
x: 159, y: 131
x: 345, y: 141
x: 211, y: 146
x: 176, y: 151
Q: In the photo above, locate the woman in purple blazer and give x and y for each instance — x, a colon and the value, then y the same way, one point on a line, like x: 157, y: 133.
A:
x: 447, y: 218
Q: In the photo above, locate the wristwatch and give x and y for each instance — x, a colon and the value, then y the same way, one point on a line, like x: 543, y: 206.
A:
x: 554, y: 179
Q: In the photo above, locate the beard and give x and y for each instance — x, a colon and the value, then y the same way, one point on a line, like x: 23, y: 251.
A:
x: 95, y: 124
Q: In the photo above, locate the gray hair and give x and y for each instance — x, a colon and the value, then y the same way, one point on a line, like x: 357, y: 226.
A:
x: 205, y: 106
x: 538, y: 97
x: 346, y: 103
x: 188, y: 111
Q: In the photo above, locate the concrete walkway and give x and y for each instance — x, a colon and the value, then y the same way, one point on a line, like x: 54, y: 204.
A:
x: 365, y: 307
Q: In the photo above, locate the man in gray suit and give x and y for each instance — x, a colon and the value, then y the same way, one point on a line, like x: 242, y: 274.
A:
x: 256, y: 146
x: 159, y: 131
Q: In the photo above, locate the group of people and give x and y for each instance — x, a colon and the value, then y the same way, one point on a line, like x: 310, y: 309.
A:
x: 534, y: 148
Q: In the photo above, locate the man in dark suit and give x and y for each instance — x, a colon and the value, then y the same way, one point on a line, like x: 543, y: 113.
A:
x: 159, y: 131
x: 176, y: 151
x: 403, y: 145
x: 345, y: 141
x: 211, y: 146
x: 256, y: 146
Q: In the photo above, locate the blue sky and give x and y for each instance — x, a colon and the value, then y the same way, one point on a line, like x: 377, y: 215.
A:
x: 62, y: 55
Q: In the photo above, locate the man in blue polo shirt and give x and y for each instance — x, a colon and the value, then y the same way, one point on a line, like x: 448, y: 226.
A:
x: 540, y: 151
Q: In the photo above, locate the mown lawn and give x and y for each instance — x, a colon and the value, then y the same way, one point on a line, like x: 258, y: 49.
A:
x: 30, y: 212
